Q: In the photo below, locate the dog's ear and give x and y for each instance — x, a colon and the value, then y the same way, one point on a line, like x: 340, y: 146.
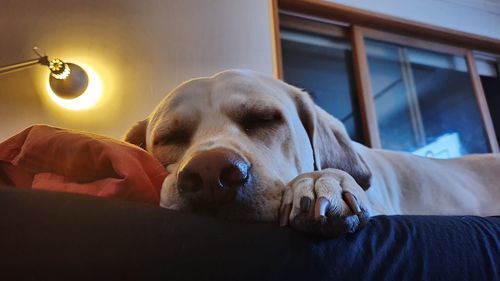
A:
x: 137, y: 134
x: 332, y: 147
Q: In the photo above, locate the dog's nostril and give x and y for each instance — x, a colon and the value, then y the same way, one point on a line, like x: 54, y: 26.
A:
x: 189, y: 182
x: 234, y: 176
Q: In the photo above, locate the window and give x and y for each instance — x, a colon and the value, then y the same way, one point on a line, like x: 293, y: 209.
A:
x: 390, y: 90
x: 488, y: 67
x: 424, y: 101
x: 321, y: 64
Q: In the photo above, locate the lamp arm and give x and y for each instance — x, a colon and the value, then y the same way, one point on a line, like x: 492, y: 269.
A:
x: 24, y: 64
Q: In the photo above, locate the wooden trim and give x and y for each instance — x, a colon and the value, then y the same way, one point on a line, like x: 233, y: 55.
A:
x: 368, y: 19
x: 486, y: 56
x: 313, y: 18
x: 321, y: 28
x: 275, y: 40
x: 481, y: 101
x: 364, y: 90
x: 412, y: 42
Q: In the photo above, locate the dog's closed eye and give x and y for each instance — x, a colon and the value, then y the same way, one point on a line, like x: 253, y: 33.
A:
x: 250, y: 121
x: 175, y: 137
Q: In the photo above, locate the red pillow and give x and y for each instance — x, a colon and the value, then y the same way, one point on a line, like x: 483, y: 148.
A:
x: 54, y: 159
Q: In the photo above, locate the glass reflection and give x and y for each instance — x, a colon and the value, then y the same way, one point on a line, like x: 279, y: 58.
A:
x: 424, y: 101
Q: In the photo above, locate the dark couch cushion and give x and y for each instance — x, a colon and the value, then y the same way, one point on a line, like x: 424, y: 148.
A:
x: 48, y: 236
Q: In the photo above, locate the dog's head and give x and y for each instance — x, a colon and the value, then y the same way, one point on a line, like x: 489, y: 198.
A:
x: 233, y: 141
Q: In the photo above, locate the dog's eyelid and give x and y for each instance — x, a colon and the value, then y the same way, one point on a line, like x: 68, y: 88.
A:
x: 254, y: 119
x: 262, y: 113
x: 173, y: 137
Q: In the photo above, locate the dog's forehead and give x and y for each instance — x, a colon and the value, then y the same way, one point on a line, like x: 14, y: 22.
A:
x: 191, y: 92
x: 231, y: 88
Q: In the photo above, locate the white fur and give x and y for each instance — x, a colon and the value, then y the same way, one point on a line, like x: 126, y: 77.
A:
x: 401, y: 183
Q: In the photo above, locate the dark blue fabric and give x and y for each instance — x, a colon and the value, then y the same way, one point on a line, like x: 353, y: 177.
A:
x: 53, y: 236
x: 423, y: 248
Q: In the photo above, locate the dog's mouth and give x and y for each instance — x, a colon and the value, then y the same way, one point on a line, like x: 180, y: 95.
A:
x: 257, y: 200
x: 237, y: 206
x: 221, y: 199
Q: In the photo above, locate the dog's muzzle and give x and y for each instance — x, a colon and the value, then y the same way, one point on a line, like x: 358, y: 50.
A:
x: 213, y: 176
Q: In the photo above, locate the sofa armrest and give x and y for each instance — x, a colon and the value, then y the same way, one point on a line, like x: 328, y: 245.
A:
x: 48, y: 235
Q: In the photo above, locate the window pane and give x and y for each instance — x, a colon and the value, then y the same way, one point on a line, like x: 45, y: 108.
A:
x: 424, y: 101
x: 322, y: 65
x: 490, y: 79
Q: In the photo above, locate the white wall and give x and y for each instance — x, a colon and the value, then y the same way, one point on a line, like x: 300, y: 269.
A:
x: 142, y: 49
x: 480, y: 17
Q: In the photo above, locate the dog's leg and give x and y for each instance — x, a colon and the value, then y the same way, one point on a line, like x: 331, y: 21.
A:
x: 326, y: 203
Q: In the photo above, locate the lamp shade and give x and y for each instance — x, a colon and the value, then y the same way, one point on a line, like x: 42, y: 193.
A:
x: 71, y: 86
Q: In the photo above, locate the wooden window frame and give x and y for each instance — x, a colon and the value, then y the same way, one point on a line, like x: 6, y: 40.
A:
x: 360, y: 25
x: 316, y: 27
x: 494, y: 58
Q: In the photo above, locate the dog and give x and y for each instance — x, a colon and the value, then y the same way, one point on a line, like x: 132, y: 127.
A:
x: 242, y: 145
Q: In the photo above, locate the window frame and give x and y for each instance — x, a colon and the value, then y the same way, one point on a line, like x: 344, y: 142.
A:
x: 358, y: 26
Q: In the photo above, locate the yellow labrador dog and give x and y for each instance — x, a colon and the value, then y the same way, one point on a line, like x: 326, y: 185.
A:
x: 242, y: 145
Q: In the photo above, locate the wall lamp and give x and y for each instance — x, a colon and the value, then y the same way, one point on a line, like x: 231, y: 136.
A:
x: 67, y: 80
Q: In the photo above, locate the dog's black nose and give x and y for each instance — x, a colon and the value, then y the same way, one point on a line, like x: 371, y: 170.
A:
x: 215, y: 175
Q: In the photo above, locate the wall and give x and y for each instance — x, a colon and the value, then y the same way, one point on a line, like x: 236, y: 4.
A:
x: 141, y: 49
x: 480, y: 17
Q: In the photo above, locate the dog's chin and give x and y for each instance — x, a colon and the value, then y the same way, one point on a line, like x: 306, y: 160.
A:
x: 248, y: 206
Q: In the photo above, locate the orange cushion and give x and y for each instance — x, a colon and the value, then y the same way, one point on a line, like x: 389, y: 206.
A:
x: 55, y: 159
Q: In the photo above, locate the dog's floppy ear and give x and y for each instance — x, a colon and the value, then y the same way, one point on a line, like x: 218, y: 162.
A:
x: 332, y: 147
x: 137, y: 134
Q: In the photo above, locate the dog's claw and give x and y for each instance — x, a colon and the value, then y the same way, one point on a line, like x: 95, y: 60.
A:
x: 322, y: 205
x: 305, y: 204
x: 322, y: 220
x: 352, y: 202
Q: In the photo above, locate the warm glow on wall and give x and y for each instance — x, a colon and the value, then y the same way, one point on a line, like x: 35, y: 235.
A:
x: 90, y: 98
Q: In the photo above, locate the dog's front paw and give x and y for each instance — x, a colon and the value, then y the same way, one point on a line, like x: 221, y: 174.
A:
x: 327, y: 203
